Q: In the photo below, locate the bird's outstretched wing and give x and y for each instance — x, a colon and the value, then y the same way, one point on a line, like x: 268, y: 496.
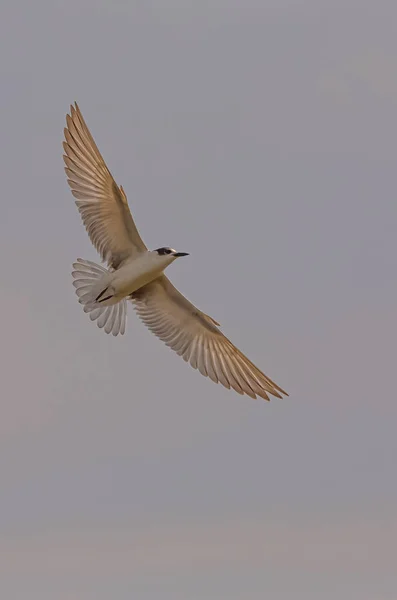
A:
x: 196, y: 337
x: 101, y: 202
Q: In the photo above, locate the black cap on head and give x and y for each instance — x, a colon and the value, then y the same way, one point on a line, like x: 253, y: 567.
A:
x: 165, y: 250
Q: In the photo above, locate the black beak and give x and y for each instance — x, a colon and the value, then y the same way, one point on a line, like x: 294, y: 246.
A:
x: 178, y: 254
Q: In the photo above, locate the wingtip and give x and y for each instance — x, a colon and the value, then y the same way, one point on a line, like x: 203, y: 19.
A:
x: 280, y: 394
x: 73, y: 108
x: 279, y: 389
x: 276, y: 393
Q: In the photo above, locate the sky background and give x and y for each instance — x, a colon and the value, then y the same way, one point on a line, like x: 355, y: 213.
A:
x: 261, y: 137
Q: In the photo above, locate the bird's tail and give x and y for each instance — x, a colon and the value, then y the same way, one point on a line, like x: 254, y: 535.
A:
x: 87, y: 278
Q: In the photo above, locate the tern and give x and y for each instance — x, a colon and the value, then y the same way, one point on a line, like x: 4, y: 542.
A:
x: 137, y: 274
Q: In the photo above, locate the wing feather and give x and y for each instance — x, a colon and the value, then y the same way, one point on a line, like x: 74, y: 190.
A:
x: 101, y: 202
x: 196, y: 337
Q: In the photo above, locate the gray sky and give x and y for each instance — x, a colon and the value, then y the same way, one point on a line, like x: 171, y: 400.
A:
x: 261, y: 137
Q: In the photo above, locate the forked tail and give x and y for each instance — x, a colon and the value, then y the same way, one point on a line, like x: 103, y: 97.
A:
x: 87, y: 276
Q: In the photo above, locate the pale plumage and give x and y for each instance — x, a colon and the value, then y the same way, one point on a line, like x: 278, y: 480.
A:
x: 101, y: 202
x: 196, y: 337
x: 167, y: 313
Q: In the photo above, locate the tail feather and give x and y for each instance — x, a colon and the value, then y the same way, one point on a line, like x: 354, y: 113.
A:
x: 86, y: 277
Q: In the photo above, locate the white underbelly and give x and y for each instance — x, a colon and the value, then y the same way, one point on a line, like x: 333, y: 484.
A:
x: 129, y: 279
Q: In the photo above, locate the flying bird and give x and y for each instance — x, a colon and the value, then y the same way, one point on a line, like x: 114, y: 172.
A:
x: 137, y: 274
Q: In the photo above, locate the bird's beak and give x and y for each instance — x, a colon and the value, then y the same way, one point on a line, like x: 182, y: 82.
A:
x: 178, y: 254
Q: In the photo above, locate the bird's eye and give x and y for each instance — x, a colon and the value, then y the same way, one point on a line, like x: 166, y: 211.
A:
x: 163, y: 251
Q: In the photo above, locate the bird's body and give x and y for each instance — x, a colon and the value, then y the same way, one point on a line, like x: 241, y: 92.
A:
x: 132, y: 275
x: 137, y: 274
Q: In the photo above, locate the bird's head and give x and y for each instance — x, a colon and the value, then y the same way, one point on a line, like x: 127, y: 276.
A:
x: 170, y: 252
x: 165, y: 256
